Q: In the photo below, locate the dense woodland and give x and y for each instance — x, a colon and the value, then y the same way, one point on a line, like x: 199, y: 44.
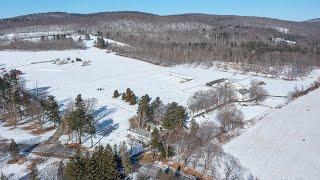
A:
x: 247, y: 42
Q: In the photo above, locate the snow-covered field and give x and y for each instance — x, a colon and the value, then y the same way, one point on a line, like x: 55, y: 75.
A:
x: 285, y: 144
x: 109, y: 72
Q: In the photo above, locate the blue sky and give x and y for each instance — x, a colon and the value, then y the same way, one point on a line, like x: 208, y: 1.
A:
x: 297, y: 10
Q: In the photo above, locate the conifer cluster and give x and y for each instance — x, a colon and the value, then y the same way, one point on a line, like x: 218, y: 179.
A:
x: 103, y: 164
x: 127, y: 96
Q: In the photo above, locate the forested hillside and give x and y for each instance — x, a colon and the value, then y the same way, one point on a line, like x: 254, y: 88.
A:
x: 251, y: 44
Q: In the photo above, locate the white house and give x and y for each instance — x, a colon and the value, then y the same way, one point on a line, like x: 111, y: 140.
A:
x: 243, y: 94
x: 241, y: 91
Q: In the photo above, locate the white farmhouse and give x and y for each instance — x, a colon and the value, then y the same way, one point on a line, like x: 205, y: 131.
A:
x: 243, y: 94
x: 241, y: 91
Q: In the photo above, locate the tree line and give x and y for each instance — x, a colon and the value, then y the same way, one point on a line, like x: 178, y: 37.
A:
x: 59, y: 42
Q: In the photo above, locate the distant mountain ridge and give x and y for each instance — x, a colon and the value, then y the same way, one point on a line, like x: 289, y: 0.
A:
x: 317, y: 20
x: 133, y: 19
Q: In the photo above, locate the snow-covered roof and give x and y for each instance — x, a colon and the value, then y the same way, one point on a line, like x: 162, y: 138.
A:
x: 140, y: 131
x: 243, y: 91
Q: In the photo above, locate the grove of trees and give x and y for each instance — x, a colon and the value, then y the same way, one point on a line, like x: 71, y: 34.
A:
x: 203, y: 100
x: 18, y: 103
x: 80, y: 118
x: 103, y: 164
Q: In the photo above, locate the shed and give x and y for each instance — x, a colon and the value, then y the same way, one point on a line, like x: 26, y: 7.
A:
x: 216, y: 82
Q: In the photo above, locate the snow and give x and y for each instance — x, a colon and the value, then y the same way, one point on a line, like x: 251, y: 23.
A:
x: 22, y: 136
x: 110, y: 71
x: 284, y: 40
x: 32, y: 34
x: 285, y: 144
x: 14, y: 171
x: 282, y: 30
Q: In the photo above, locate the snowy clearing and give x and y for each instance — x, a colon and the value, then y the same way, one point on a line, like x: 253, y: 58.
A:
x: 109, y: 72
x: 285, y: 144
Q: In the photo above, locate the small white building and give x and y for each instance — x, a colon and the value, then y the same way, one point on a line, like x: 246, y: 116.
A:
x: 60, y: 61
x: 243, y: 94
x: 241, y: 91
x: 140, y: 135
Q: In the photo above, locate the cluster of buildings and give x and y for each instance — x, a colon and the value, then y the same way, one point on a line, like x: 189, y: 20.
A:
x: 69, y: 60
x: 242, y: 92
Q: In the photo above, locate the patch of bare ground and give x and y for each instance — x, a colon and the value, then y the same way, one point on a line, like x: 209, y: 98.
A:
x: 31, y: 127
x: 49, y: 155
x: 20, y: 160
x: 41, y: 130
x: 10, y: 124
x: 149, y: 158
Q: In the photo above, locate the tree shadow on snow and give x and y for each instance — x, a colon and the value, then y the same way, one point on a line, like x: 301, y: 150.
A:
x: 102, y: 112
x: 104, y: 126
x: 40, y: 91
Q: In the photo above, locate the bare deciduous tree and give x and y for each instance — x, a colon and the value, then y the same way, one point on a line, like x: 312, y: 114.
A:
x: 257, y: 92
x: 230, y: 118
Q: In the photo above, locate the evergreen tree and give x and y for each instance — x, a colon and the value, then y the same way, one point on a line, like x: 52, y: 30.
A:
x: 75, y: 124
x: 80, y: 120
x: 100, y: 43
x: 16, y: 100
x: 92, y: 167
x: 101, y: 165
x: 115, y: 149
x: 109, y: 171
x: 61, y: 171
x: 126, y: 164
x: 76, y: 168
x: 26, y: 99
x: 80, y: 104
x: 117, y: 156
x: 133, y: 99
x: 34, y: 174
x: 143, y: 110
x: 99, y: 33
x: 80, y: 39
x: 52, y: 110
x: 14, y: 150
x: 155, y: 140
x: 175, y: 116
x: 125, y: 159
x: 87, y: 36
x: 155, y: 109
x: 128, y: 94
x: 90, y: 128
x: 116, y: 94
x: 123, y: 96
